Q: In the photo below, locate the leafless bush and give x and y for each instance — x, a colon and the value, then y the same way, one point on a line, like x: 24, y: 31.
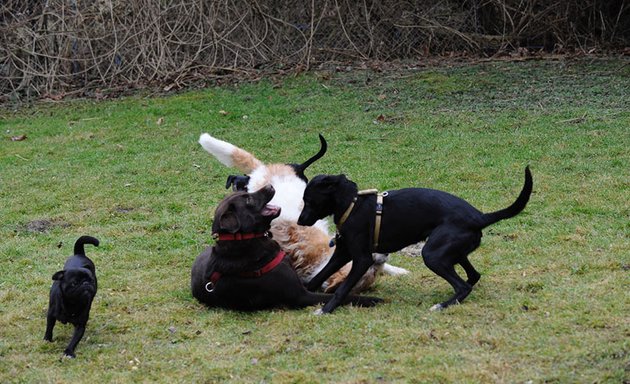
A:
x: 58, y: 47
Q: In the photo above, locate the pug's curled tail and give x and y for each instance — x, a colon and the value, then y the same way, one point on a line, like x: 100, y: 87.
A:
x: 228, y: 154
x: 78, y: 246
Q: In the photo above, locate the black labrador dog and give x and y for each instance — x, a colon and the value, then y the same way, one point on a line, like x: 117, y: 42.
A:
x: 246, y: 270
x: 408, y: 216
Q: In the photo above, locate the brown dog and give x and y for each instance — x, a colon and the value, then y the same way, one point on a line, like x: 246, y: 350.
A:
x: 246, y: 269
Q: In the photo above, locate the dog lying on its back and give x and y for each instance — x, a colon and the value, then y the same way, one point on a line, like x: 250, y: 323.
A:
x: 71, y: 294
x: 307, y: 247
x: 407, y: 216
x: 246, y: 269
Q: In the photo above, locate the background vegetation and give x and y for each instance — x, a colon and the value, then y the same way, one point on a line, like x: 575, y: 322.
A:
x: 68, y: 48
x: 552, y: 304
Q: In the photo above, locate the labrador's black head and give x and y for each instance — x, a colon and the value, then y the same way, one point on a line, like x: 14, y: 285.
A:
x: 243, y: 212
x: 320, y: 198
x: 77, y: 284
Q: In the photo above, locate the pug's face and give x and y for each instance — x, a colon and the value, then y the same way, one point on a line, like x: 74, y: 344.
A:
x: 76, y: 284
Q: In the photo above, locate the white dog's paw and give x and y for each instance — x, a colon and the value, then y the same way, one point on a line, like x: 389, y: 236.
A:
x: 436, y: 307
x: 318, y: 312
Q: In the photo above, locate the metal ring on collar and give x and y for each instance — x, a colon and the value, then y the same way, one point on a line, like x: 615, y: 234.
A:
x: 210, y: 287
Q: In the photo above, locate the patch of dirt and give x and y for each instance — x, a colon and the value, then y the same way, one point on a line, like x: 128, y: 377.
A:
x: 43, y: 226
x: 123, y: 209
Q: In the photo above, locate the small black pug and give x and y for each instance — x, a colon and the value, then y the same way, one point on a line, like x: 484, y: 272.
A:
x: 71, y: 294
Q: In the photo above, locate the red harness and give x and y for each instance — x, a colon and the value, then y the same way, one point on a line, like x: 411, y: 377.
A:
x: 215, y: 276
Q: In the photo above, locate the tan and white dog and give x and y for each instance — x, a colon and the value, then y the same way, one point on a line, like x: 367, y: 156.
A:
x: 308, y: 247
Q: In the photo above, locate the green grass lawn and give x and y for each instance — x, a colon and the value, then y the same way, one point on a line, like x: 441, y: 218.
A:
x: 552, y: 305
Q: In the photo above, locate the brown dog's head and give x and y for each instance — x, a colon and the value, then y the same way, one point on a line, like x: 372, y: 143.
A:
x: 243, y: 212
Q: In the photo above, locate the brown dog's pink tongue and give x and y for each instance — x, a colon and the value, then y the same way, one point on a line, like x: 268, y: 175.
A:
x: 270, y: 210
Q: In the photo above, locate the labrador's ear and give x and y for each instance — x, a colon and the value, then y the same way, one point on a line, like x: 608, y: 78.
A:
x: 229, y: 222
x: 331, y: 182
x: 58, y: 275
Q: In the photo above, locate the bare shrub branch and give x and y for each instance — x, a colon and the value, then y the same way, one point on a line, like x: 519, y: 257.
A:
x: 52, y: 48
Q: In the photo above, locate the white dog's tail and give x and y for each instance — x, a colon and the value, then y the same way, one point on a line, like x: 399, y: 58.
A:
x: 391, y: 270
x: 228, y: 154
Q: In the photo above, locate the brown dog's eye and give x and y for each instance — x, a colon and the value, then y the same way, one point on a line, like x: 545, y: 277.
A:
x: 249, y: 201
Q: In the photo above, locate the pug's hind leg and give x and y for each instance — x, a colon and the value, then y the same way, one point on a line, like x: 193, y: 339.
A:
x: 50, y: 324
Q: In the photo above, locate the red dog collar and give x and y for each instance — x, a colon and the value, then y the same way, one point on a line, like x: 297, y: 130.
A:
x: 257, y: 273
x: 238, y: 236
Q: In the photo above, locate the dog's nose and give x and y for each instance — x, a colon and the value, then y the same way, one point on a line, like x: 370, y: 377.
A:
x: 269, y: 188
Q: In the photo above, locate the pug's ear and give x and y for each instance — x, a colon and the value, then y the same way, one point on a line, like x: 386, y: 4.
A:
x: 229, y: 222
x: 58, y: 275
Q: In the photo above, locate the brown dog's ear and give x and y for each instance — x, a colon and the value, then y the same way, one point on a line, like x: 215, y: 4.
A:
x: 229, y: 222
x: 58, y: 275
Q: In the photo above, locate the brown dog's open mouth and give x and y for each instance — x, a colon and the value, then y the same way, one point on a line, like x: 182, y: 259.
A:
x: 270, y: 210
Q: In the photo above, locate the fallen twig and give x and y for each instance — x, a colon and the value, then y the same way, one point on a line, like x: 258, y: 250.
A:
x: 576, y: 120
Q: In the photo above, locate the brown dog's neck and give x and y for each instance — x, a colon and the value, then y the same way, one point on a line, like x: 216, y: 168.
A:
x: 239, y: 236
x: 248, y: 246
x: 243, y: 255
